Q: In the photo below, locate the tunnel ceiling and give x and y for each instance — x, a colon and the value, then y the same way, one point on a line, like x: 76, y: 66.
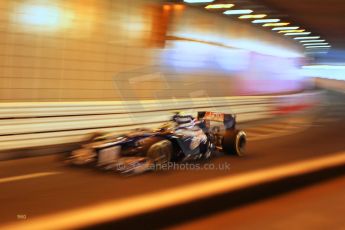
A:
x: 324, y: 18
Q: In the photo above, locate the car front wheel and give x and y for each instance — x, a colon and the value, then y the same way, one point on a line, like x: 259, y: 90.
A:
x: 161, y: 152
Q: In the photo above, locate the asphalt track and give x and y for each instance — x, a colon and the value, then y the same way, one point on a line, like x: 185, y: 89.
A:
x: 39, y: 186
x: 320, y: 206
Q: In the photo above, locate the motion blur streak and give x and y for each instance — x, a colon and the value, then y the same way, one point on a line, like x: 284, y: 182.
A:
x: 298, y: 33
x: 252, y: 16
x: 72, y: 70
x: 315, y: 44
x: 265, y: 21
x: 27, y: 176
x: 219, y: 6
x: 321, y: 40
x: 290, y: 31
x: 286, y: 28
x: 235, y: 12
x: 198, y: 1
x: 115, y: 210
x: 304, y: 38
x: 276, y: 24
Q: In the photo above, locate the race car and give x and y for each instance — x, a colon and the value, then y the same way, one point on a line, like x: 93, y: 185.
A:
x: 179, y: 140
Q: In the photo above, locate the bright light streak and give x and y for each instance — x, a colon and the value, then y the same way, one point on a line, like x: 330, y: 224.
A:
x: 313, y: 47
x: 305, y: 38
x: 252, y: 16
x: 276, y: 24
x: 265, y: 21
x: 236, y: 12
x: 198, y: 1
x: 321, y: 40
x: 316, y: 44
x: 290, y: 31
x: 219, y: 6
x: 317, y: 52
x: 293, y: 34
x: 286, y: 28
x: 324, y: 67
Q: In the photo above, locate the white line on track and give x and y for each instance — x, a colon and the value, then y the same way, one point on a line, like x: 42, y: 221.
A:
x: 27, y: 176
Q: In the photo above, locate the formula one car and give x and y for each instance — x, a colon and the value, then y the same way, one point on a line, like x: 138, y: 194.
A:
x: 182, y: 139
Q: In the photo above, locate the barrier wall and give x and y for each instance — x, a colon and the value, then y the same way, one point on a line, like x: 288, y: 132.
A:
x: 24, y: 125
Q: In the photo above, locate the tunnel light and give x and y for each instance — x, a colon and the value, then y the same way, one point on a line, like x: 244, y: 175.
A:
x: 276, y: 24
x: 316, y: 44
x: 252, y: 16
x: 286, y: 28
x: 219, y: 6
x: 167, y: 7
x: 305, y: 38
x: 178, y: 6
x: 340, y: 67
x: 46, y: 16
x: 297, y: 34
x: 198, y: 1
x: 317, y: 52
x: 313, y: 47
x: 320, y: 40
x: 237, y: 12
x: 265, y: 21
x: 290, y: 31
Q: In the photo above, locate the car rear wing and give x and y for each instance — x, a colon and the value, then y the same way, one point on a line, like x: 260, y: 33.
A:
x: 229, y: 120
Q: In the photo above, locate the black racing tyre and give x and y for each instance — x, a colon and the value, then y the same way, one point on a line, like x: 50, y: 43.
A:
x: 234, y: 142
x: 161, y: 152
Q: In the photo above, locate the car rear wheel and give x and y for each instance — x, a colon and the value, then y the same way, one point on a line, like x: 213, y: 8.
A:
x: 160, y: 152
x: 234, y: 142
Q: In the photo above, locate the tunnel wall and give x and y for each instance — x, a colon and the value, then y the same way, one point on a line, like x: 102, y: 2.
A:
x: 135, y: 49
